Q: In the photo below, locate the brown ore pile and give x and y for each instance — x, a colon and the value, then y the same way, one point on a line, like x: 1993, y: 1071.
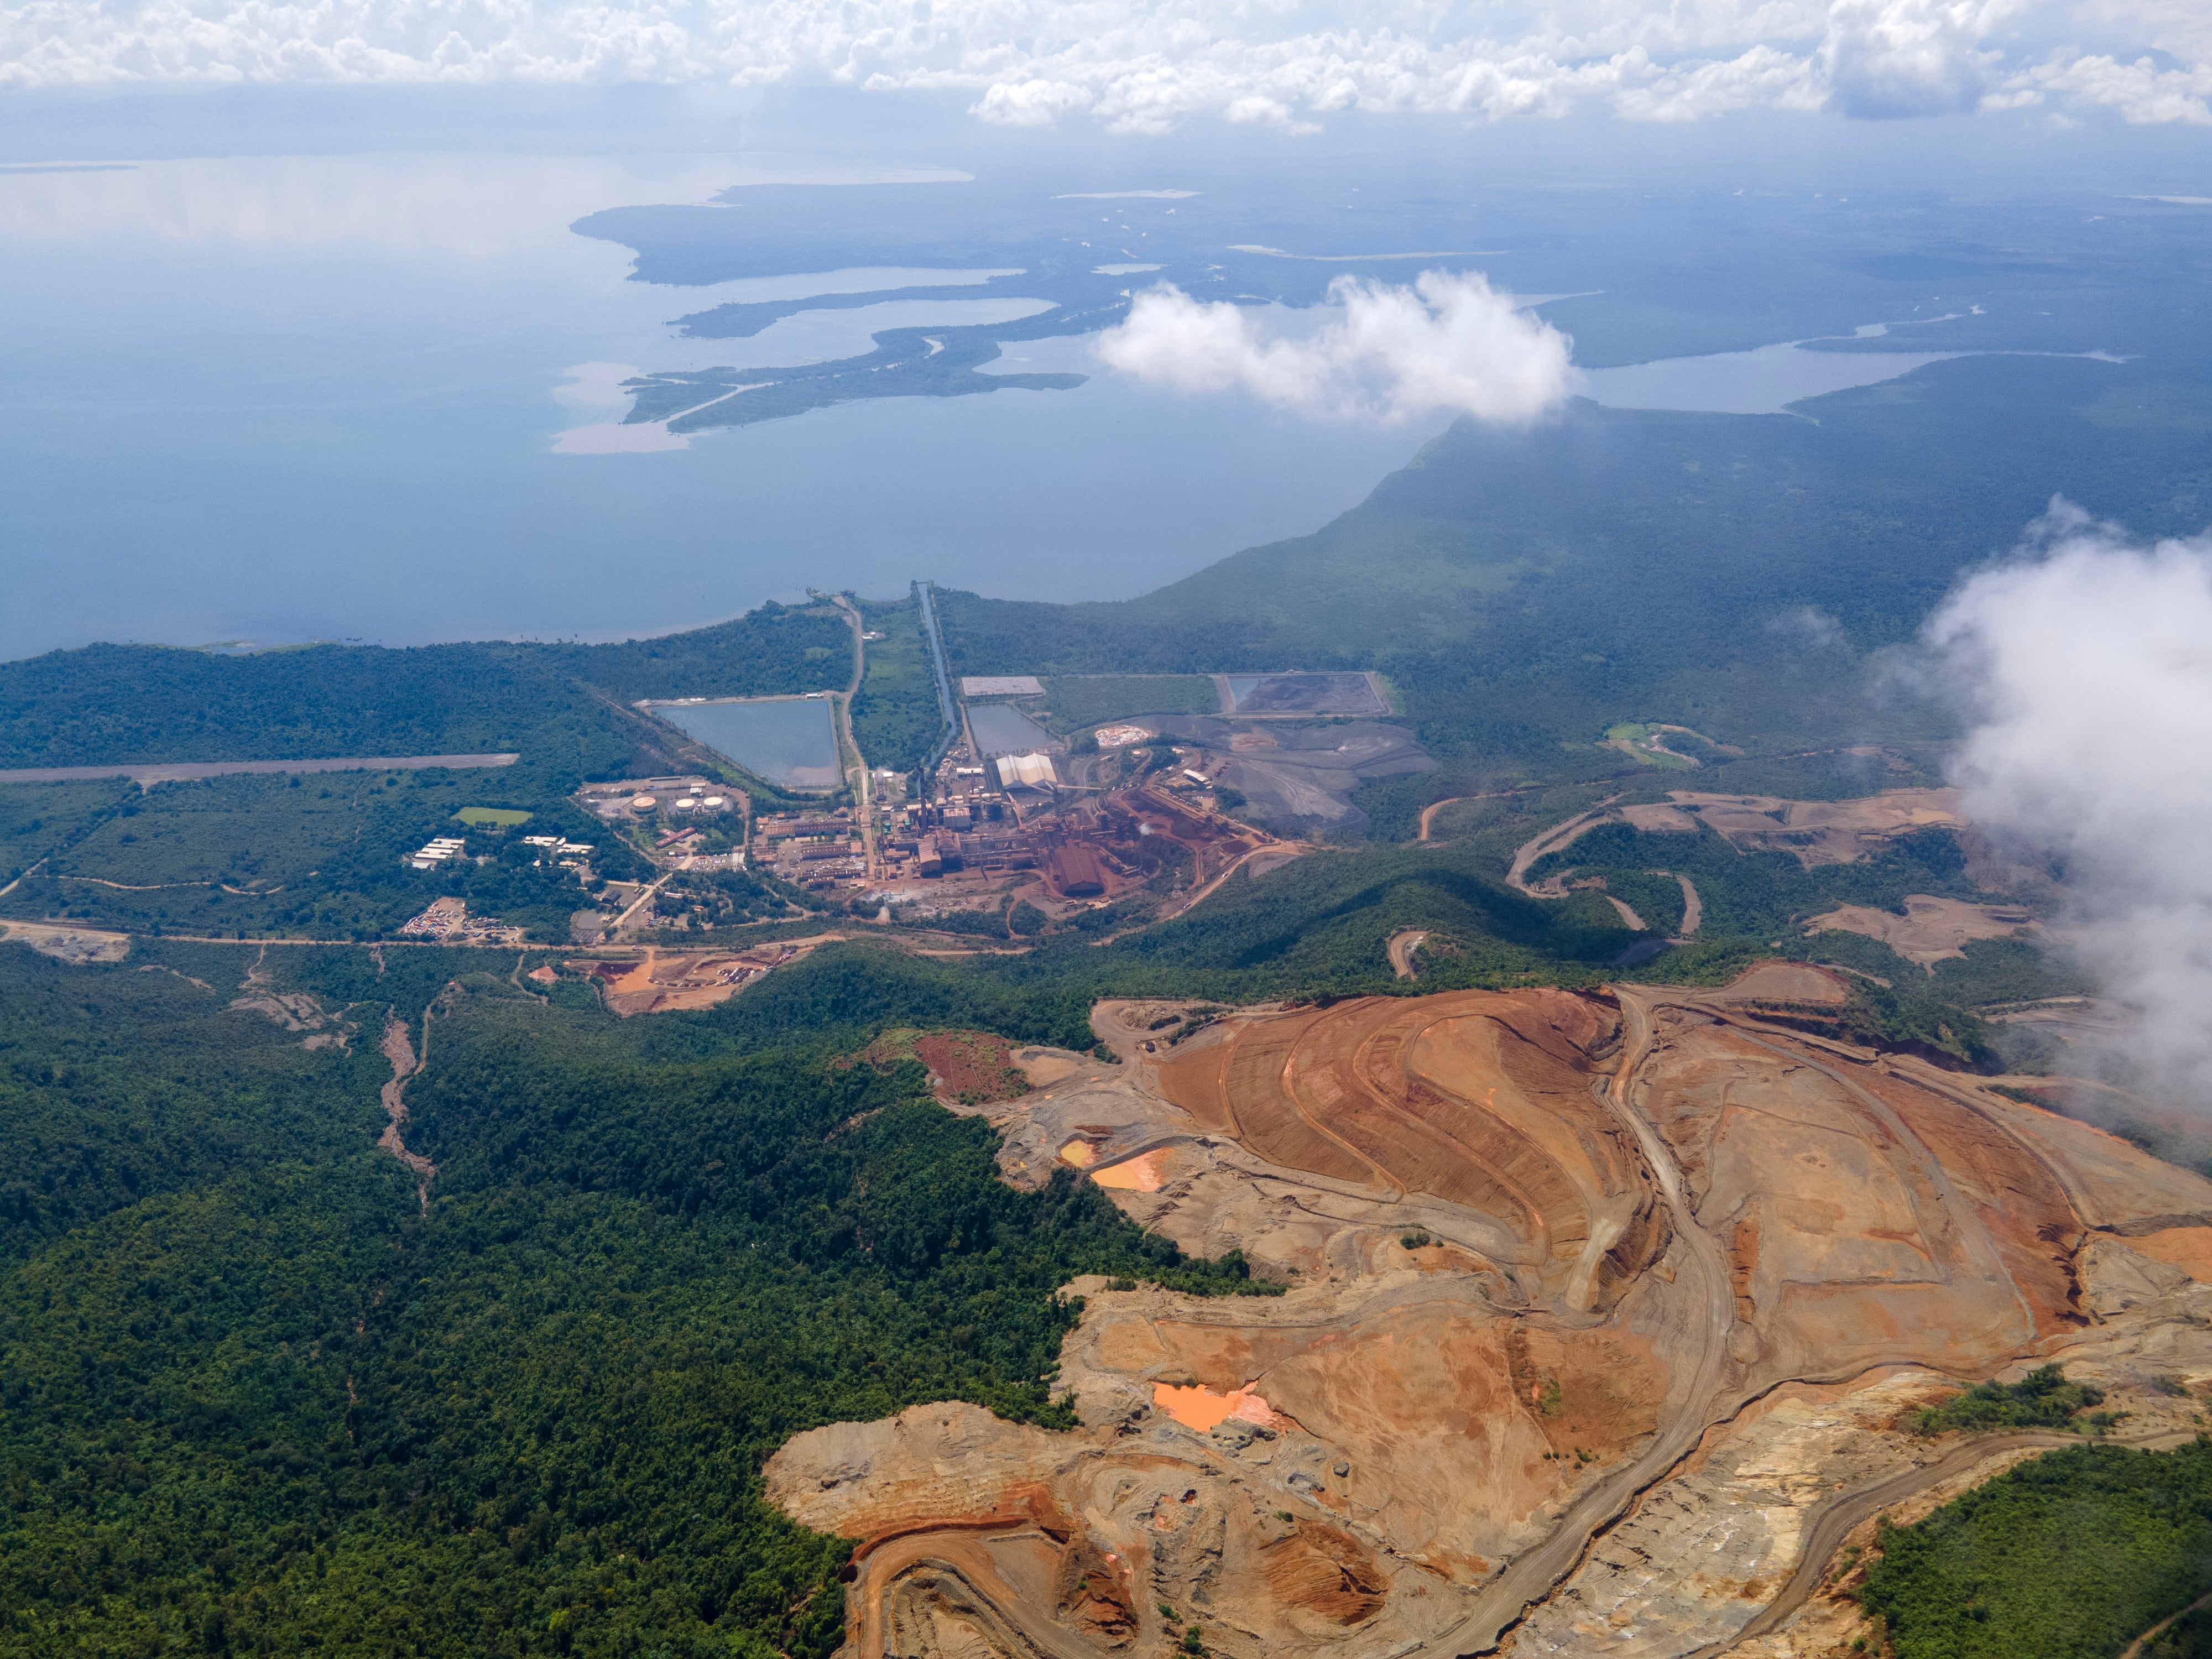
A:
x: 1606, y: 1313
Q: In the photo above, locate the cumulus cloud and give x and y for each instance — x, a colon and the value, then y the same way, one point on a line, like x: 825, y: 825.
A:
x: 1375, y: 351
x: 1148, y: 65
x: 1886, y: 58
x: 2086, y: 664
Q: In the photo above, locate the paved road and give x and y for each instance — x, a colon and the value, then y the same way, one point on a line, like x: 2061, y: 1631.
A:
x: 177, y: 771
x: 867, y: 792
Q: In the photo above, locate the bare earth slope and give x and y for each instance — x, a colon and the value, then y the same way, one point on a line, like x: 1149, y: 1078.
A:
x: 1603, y: 1309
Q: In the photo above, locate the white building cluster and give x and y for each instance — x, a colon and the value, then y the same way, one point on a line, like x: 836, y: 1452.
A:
x: 441, y: 849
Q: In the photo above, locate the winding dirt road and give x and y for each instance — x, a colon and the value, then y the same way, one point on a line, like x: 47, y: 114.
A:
x: 1402, y: 947
x: 1558, y: 837
x: 1693, y: 909
x: 404, y: 1064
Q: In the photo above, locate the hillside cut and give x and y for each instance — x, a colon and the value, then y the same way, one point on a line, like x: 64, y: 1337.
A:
x: 1599, y: 1305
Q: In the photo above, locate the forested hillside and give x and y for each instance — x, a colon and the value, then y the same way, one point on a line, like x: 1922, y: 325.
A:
x: 1524, y: 589
x: 114, y: 705
x: 256, y: 1402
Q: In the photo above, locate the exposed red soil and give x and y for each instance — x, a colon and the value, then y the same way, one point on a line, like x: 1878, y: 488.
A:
x: 1641, y: 1213
x: 976, y: 1066
x: 1325, y: 1571
x: 1476, y: 1097
x: 2188, y: 1249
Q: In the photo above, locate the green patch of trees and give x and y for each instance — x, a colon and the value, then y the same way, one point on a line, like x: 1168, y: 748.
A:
x: 2043, y: 1399
x: 261, y: 1403
x: 2070, y: 1556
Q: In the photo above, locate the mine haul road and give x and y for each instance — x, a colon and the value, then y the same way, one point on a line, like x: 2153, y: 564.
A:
x: 1709, y: 1312
x: 1528, y: 1579
x: 1835, y: 1518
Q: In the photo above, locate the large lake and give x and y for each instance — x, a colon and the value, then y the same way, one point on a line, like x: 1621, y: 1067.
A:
x: 790, y: 741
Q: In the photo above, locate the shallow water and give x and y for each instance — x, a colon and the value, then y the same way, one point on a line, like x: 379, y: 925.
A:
x: 1766, y: 381
x: 790, y: 741
x: 1001, y: 730
x: 274, y: 399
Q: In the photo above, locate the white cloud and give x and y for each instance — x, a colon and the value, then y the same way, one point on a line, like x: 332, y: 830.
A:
x: 1148, y: 65
x: 1884, y: 58
x: 1374, y: 352
x: 2085, y: 662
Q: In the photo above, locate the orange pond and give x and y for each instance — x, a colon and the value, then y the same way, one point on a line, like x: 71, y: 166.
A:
x: 1136, y: 1174
x: 1199, y: 1408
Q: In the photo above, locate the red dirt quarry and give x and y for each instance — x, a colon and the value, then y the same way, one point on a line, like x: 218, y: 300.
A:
x: 1602, y: 1309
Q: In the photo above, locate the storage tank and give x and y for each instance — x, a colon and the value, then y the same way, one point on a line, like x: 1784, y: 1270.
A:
x: 641, y: 803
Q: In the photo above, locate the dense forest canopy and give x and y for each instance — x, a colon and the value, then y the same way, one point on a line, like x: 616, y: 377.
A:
x: 258, y: 1400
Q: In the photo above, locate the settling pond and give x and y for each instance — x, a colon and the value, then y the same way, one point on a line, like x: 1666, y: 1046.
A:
x: 790, y: 741
x: 1002, y: 729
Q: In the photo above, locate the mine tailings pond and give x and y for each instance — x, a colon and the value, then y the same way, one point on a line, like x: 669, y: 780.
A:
x: 790, y: 741
x: 1002, y: 729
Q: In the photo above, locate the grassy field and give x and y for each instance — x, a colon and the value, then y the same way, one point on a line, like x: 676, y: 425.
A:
x: 504, y: 817
x: 37, y: 820
x: 1074, y: 701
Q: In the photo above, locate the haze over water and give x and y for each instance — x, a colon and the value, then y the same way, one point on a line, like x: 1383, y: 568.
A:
x: 305, y: 398
x: 373, y: 395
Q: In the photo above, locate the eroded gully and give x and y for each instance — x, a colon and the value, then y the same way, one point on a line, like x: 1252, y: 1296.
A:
x: 401, y: 1052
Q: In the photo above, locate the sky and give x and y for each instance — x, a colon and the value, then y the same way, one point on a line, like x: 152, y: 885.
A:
x: 1149, y: 66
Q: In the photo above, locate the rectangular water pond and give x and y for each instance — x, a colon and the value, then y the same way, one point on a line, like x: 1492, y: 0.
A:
x: 790, y: 741
x: 1001, y: 729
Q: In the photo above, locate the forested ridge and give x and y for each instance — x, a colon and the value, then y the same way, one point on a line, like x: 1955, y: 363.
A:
x: 261, y: 1402
x: 2068, y: 1556
x: 119, y: 704
x: 1526, y: 588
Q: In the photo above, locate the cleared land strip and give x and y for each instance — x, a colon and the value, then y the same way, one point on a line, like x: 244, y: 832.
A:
x: 177, y: 771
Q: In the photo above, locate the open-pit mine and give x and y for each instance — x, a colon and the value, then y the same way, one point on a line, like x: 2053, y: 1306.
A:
x: 1607, y: 1316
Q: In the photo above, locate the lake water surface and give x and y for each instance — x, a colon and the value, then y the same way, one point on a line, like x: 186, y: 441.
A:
x: 381, y: 397
x: 1765, y: 381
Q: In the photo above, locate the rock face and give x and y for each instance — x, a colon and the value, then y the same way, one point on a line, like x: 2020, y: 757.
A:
x: 1646, y: 1269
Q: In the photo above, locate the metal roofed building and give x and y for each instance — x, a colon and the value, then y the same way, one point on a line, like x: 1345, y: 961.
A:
x: 1034, y: 771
